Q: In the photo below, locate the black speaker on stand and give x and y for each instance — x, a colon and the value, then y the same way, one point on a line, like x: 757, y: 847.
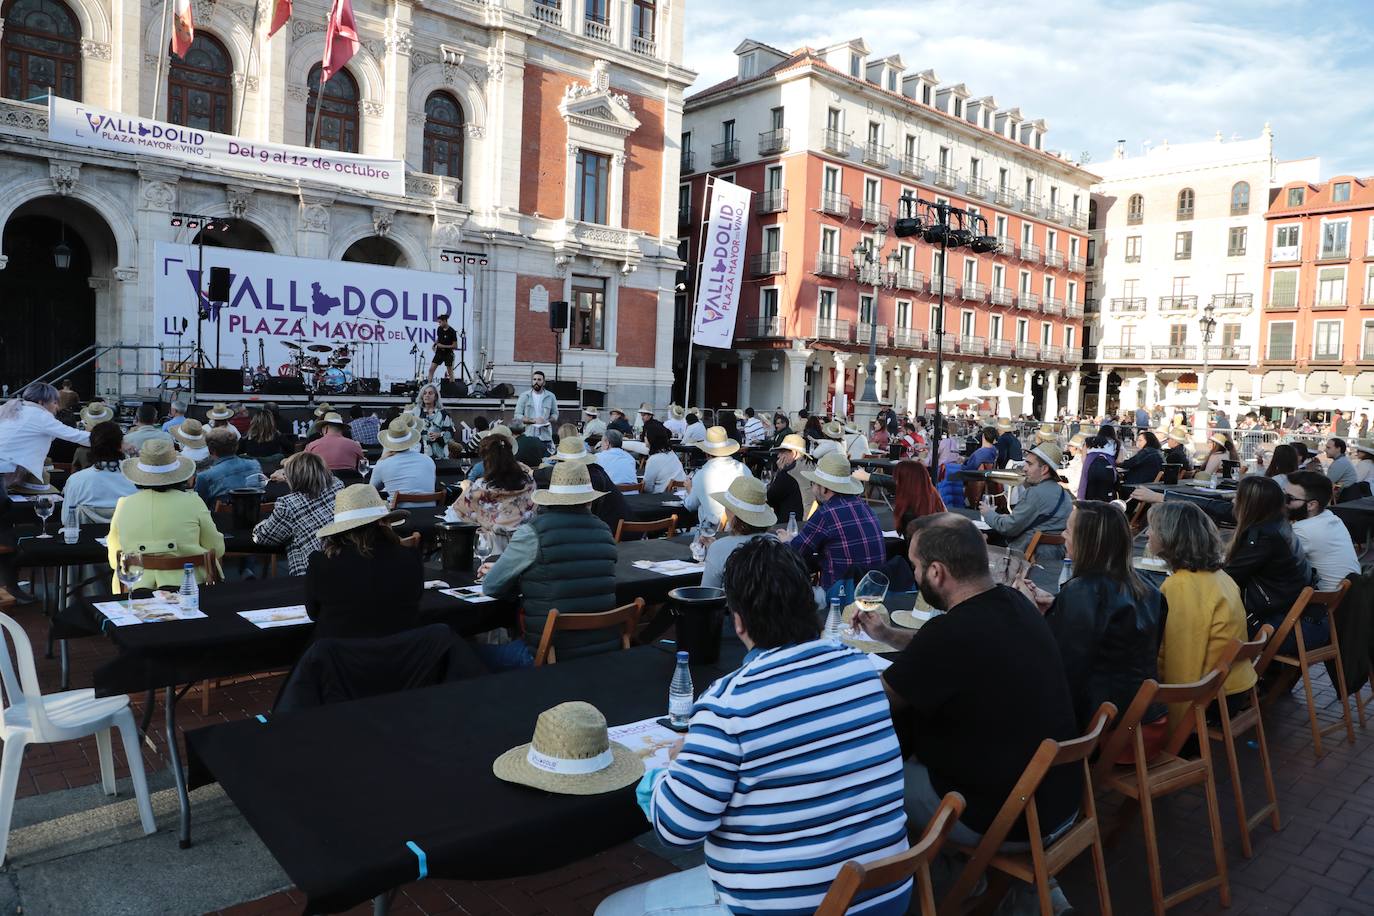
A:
x: 558, y: 323
x: 219, y: 285
x: 453, y: 388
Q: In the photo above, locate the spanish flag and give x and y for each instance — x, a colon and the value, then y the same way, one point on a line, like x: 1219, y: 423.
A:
x: 183, y: 28
x: 281, y: 11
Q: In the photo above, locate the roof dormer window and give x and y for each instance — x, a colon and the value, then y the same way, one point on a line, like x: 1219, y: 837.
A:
x: 958, y: 107
x: 855, y: 66
x: 748, y: 66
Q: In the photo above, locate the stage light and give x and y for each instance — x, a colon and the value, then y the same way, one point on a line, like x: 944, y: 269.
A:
x: 193, y: 224
x: 982, y: 244
x: 907, y: 227
x: 936, y: 233
x: 176, y: 221
x: 958, y: 238
x: 444, y: 258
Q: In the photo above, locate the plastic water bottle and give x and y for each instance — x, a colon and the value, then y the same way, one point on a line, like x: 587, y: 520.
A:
x: 189, y: 595
x: 791, y: 525
x: 834, y: 620
x: 1066, y: 573
x: 680, y: 694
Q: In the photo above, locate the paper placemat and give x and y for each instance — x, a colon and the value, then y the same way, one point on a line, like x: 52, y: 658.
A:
x: 266, y: 618
x: 470, y: 593
x: 671, y: 567
x: 157, y: 609
x: 648, y: 740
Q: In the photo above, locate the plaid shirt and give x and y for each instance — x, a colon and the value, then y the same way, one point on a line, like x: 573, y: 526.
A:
x: 843, y: 532
x: 365, y: 430
x: 294, y: 521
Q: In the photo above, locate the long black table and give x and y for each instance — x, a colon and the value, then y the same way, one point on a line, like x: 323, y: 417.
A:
x: 648, y: 507
x: 336, y: 793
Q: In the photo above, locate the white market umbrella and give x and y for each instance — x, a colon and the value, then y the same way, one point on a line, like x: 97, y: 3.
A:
x: 1294, y: 400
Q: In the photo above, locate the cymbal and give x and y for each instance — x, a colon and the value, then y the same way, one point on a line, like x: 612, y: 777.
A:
x: 342, y: 351
x: 290, y: 346
x: 319, y: 348
x: 340, y: 361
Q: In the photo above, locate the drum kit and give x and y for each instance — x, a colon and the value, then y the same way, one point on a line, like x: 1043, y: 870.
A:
x: 323, y: 369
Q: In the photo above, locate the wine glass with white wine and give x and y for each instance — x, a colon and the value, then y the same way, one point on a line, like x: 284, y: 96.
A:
x: 869, y: 595
x: 129, y: 569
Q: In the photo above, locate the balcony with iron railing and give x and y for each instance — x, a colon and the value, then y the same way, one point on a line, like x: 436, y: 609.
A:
x: 596, y: 28
x: 1092, y: 305
x: 1076, y: 264
x: 1229, y: 302
x: 913, y: 167
x: 974, y: 292
x: 1001, y: 348
x: 1127, y: 303
x: 774, y: 201
x: 774, y: 141
x: 1054, y: 257
x: 876, y: 214
x: 1135, y: 217
x: 1029, y: 301
x: 833, y: 329
x: 947, y: 177
x: 1229, y: 353
x: 1030, y: 251
x: 1327, y: 354
x: 1279, y: 354
x: 1132, y: 257
x: 836, y: 204
x: 1057, y: 214
x: 1177, y: 303
x: 768, y: 263
x: 1051, y: 353
x: 643, y: 44
x: 1090, y: 353
x: 1027, y: 350
x: 1073, y: 355
x: 1282, y: 305
x: 1031, y: 204
x: 1126, y: 351
x: 971, y: 346
x: 725, y: 152
x: 1052, y: 305
x: 832, y: 265
x: 769, y: 326
x: 951, y: 287
x: 1000, y: 295
x: 877, y: 154
x: 836, y: 143
x: 688, y: 161
x: 1004, y: 197
x: 864, y: 329
x: 1078, y: 220
x: 1073, y: 309
x: 549, y: 11
x: 978, y: 187
x: 909, y: 338
x: 908, y: 279
x: 1174, y: 353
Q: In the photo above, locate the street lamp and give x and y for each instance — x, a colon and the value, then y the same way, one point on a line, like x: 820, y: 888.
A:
x: 1204, y: 407
x: 868, y: 259
x: 62, y: 252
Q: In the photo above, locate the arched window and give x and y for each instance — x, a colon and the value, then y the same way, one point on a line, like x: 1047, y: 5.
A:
x: 338, y: 115
x: 1240, y: 198
x: 443, y: 136
x: 200, y: 89
x: 1135, y: 209
x: 1186, y: 198
x: 42, y: 50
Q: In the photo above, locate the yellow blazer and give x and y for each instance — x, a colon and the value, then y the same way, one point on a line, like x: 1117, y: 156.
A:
x: 171, y: 523
x: 1205, y: 613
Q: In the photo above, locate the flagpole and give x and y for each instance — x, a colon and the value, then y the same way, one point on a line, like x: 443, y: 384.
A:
x: 313, y: 139
x: 696, y: 290
x: 248, y: 67
x: 163, y: 55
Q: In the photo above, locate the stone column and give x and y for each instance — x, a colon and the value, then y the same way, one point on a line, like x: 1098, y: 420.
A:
x: 944, y: 382
x: 1075, y: 379
x: 838, y: 387
x: 1027, y: 399
x: 914, y: 397
x: 880, y: 382
x: 1151, y: 388
x: 1051, y: 395
x: 794, y: 377
x: 699, y: 380
x: 1350, y: 398
x: 1256, y: 386
x: 746, y: 378
x: 1102, y: 391
x: 1003, y: 402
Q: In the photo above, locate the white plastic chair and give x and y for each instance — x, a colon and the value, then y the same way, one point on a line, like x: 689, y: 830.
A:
x: 31, y: 718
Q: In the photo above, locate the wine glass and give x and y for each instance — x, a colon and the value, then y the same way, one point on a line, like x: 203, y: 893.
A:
x: 483, y: 548
x: 364, y: 465
x: 42, y: 507
x: 129, y: 569
x: 870, y: 592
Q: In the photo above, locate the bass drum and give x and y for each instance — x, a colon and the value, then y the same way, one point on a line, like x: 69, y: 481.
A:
x: 335, y: 381
x: 288, y: 370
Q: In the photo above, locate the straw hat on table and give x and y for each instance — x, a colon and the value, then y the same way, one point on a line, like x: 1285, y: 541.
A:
x: 571, y: 754
x: 747, y: 500
x: 220, y: 411
x: 569, y: 485
x: 833, y: 473
x: 717, y: 444
x: 572, y: 449
x: 359, y: 505
x: 94, y: 413
x: 399, y: 436
x: 158, y: 465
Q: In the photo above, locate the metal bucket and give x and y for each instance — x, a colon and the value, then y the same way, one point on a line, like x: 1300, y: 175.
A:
x: 245, y: 505
x: 698, y: 616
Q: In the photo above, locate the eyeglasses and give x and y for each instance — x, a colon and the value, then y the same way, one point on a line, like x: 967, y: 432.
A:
x: 1297, y: 499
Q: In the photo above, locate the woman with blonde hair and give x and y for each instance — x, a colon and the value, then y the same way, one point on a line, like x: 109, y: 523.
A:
x: 300, y: 513
x: 436, y: 426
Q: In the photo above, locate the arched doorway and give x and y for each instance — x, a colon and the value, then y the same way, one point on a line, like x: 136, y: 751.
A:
x: 238, y: 233
x: 375, y: 250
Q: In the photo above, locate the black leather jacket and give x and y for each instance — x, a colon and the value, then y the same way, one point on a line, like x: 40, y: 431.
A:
x: 1270, y: 570
x: 1109, y: 642
x: 1142, y: 467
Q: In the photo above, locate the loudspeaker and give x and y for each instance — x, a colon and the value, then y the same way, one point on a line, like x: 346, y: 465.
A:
x: 369, y: 386
x: 453, y: 388
x: 404, y: 389
x: 558, y: 315
x: 279, y: 385
x: 593, y: 398
x: 501, y: 391
x: 219, y: 285
x: 564, y: 391
x: 219, y: 381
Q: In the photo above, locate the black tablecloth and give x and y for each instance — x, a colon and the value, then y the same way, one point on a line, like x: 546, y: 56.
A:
x: 649, y: 507
x: 337, y: 792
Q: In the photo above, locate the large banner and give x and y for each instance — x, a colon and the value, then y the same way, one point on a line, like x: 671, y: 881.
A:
x: 722, y: 266
x: 329, y: 322
x: 79, y: 124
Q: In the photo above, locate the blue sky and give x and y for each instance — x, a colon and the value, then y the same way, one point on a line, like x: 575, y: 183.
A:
x: 1098, y: 72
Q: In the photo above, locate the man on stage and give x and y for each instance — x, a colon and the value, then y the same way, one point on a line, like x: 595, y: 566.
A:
x: 445, y: 343
x: 537, y: 409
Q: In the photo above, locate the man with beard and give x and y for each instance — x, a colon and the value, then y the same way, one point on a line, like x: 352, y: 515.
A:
x: 538, y: 410
x: 975, y: 690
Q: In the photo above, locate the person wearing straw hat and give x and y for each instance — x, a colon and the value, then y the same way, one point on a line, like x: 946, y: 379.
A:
x: 189, y: 436
x: 571, y: 754
x: 842, y: 537
x: 839, y: 746
x: 592, y: 424
x: 363, y: 582
x: 789, y: 494
x: 1044, y: 505
x: 219, y: 417
x: 611, y: 508
x: 833, y: 433
x: 1362, y: 457
x: 92, y: 415
x: 402, y: 469
x: 747, y: 515
x: 1177, y: 451
x: 644, y: 418
x: 715, y: 476
x: 564, y: 557
x: 229, y: 471
x: 1219, y: 449
x: 620, y: 422
x: 676, y: 422
x: 101, y: 484
x: 163, y: 517
x: 1008, y: 445
x: 339, y: 452
x: 145, y: 428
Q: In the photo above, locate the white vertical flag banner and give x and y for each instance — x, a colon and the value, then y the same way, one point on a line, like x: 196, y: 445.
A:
x: 722, y: 268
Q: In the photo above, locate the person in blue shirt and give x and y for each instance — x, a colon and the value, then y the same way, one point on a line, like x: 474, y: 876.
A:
x: 402, y: 468
x: 618, y: 463
x: 230, y: 470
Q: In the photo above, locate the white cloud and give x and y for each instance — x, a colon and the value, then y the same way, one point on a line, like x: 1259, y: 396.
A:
x: 1098, y: 72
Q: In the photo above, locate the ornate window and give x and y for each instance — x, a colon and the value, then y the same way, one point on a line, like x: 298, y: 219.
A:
x: 1240, y: 198
x: 338, y: 114
x: 1186, y: 199
x: 42, y: 50
x: 200, y: 89
x: 443, y: 148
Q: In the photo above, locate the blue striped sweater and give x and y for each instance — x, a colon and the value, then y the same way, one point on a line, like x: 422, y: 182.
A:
x: 790, y: 769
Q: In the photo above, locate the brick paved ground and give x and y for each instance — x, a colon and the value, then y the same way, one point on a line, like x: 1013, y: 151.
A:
x: 1322, y: 862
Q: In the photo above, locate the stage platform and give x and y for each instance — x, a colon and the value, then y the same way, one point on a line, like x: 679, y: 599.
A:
x: 302, y: 406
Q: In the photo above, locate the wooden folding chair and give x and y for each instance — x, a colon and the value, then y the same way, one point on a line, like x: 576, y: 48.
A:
x: 666, y: 525
x: 1229, y: 729
x: 1041, y: 863
x: 159, y: 563
x: 400, y: 499
x: 855, y: 878
x: 1041, y: 539
x: 1306, y: 658
x: 626, y: 617
x: 1144, y: 779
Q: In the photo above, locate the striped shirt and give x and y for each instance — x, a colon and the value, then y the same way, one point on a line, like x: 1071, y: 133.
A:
x: 790, y: 769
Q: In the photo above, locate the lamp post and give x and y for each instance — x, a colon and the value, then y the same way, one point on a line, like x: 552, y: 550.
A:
x: 1204, y: 406
x: 868, y: 259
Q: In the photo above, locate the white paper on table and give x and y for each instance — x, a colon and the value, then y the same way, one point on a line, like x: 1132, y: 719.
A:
x: 981, y: 525
x: 156, y: 609
x: 882, y: 664
x: 266, y: 618
x: 647, y: 740
x: 671, y: 567
x: 470, y: 593
x: 103, y: 542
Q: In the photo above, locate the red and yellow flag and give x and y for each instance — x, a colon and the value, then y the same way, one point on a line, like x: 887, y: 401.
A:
x: 281, y: 12
x: 183, y: 28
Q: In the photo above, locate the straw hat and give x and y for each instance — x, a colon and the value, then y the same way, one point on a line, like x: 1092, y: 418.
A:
x: 1049, y: 453
x: 94, y: 413
x: 410, y: 419
x: 332, y: 418
x: 1219, y: 439
x: 1177, y: 435
x: 739, y: 414
x: 498, y: 430
x: 792, y: 443
x: 356, y: 506
x: 220, y: 411
x: 747, y: 500
x: 797, y: 424
x: 717, y: 444
x: 676, y: 412
x: 399, y: 436
x: 571, y: 754
x: 158, y: 465
x: 1078, y: 441
x: 833, y: 473
x: 322, y: 409
x: 646, y: 408
x: 1003, y: 425
x: 590, y: 412
x: 572, y: 449
x: 189, y: 434
x: 569, y: 485
x: 616, y: 411
x: 833, y: 430
x: 1363, y: 445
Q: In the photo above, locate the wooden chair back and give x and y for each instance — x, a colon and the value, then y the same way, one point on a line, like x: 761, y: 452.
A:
x: 668, y: 526
x: 626, y: 617
x: 1229, y: 728
x: 1126, y: 733
x: 1041, y: 539
x: 438, y: 497
x: 636, y: 487
x: 411, y: 540
x: 205, y: 561
x: 1309, y: 596
x: 855, y: 878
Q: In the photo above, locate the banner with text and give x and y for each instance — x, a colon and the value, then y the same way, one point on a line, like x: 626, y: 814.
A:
x: 328, y: 322
x: 722, y: 266
x: 85, y: 125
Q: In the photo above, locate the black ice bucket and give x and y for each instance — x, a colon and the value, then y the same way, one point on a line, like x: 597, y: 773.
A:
x: 457, y: 540
x: 698, y: 615
x: 246, y: 506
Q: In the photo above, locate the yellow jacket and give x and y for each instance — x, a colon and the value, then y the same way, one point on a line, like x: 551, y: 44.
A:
x: 170, y: 523
x: 1205, y: 613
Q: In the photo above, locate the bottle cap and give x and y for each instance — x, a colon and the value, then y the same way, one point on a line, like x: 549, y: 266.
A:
x: 188, y: 566
x: 682, y: 656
